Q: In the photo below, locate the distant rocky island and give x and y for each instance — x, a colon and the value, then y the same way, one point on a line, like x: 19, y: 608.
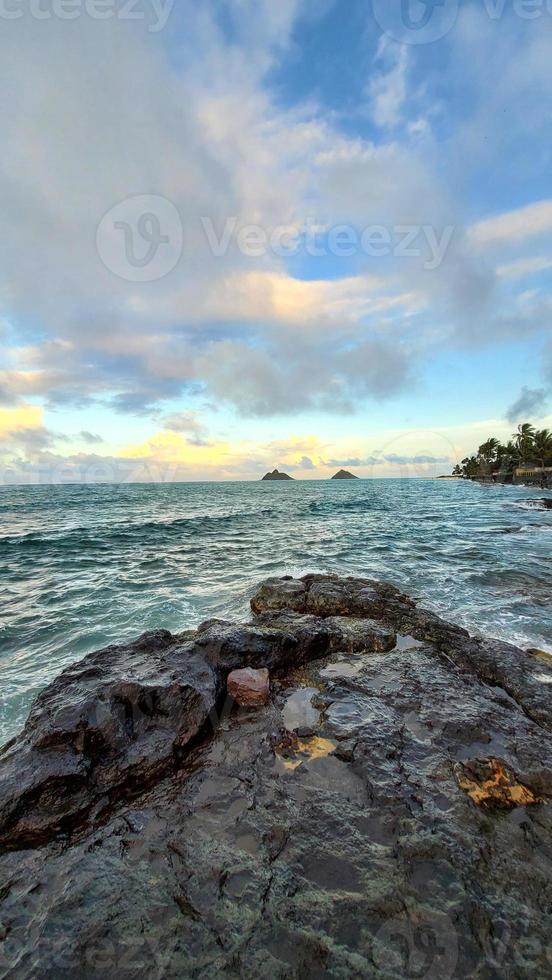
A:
x: 344, y: 475
x: 341, y: 475
x: 276, y: 475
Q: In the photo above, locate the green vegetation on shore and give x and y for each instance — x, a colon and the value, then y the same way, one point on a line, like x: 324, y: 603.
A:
x: 527, y: 447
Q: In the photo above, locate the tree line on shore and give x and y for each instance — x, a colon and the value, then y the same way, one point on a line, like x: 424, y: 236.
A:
x: 527, y: 447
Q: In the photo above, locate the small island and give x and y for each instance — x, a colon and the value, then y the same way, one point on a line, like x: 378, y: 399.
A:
x: 276, y: 475
x: 344, y: 475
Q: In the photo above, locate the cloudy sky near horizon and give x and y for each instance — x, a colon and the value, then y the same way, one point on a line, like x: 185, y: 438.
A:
x: 241, y: 234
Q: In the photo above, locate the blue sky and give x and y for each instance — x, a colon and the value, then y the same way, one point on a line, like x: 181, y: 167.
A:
x: 385, y: 276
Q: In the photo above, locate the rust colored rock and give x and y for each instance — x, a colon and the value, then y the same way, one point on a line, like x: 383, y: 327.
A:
x: 492, y: 784
x: 249, y: 688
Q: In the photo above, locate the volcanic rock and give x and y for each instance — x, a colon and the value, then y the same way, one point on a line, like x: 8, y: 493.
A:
x: 344, y: 475
x: 147, y: 827
x: 493, y: 785
x: 249, y: 688
x: 276, y: 475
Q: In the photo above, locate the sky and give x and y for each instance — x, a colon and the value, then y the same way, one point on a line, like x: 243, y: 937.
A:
x: 241, y: 234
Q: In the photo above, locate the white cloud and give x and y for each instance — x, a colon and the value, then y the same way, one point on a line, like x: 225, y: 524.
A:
x: 189, y: 424
x: 94, y: 112
x: 261, y: 296
x: 522, y: 268
x: 514, y: 226
x: 387, y: 87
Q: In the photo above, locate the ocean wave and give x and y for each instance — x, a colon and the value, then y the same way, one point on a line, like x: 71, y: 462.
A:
x: 505, y: 530
x: 544, y: 504
x: 119, y: 532
x: 362, y: 506
x: 508, y: 578
x: 99, y: 564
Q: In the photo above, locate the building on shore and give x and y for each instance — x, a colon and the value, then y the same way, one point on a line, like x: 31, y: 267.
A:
x: 541, y: 476
x: 538, y: 476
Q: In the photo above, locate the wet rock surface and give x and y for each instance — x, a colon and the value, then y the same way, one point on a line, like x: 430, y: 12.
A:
x: 249, y: 688
x: 386, y: 814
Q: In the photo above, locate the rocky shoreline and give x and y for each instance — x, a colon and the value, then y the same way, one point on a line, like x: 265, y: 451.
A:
x: 386, y: 814
x: 540, y: 482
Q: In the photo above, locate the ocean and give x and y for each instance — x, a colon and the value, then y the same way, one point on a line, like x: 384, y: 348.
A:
x: 86, y: 566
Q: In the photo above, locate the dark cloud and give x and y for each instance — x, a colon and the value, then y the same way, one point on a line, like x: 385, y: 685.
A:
x: 32, y: 439
x: 305, y: 463
x: 8, y: 395
x: 274, y: 370
x: 375, y: 368
x: 90, y: 438
x: 50, y: 467
x: 188, y: 424
x: 26, y: 445
x: 134, y: 402
x: 530, y: 403
x: 387, y: 458
x: 352, y: 461
x: 414, y: 460
x: 548, y: 367
x: 291, y: 373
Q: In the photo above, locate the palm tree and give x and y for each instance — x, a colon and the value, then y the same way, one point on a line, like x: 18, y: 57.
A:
x: 489, y: 450
x: 470, y: 466
x: 523, y: 439
x: 527, y: 446
x: 509, y: 456
x: 542, y: 445
x: 524, y: 431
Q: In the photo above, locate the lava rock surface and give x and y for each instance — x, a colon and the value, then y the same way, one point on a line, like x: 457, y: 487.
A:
x: 385, y: 815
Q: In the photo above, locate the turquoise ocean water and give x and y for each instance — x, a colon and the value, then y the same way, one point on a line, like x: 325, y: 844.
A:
x: 85, y: 566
